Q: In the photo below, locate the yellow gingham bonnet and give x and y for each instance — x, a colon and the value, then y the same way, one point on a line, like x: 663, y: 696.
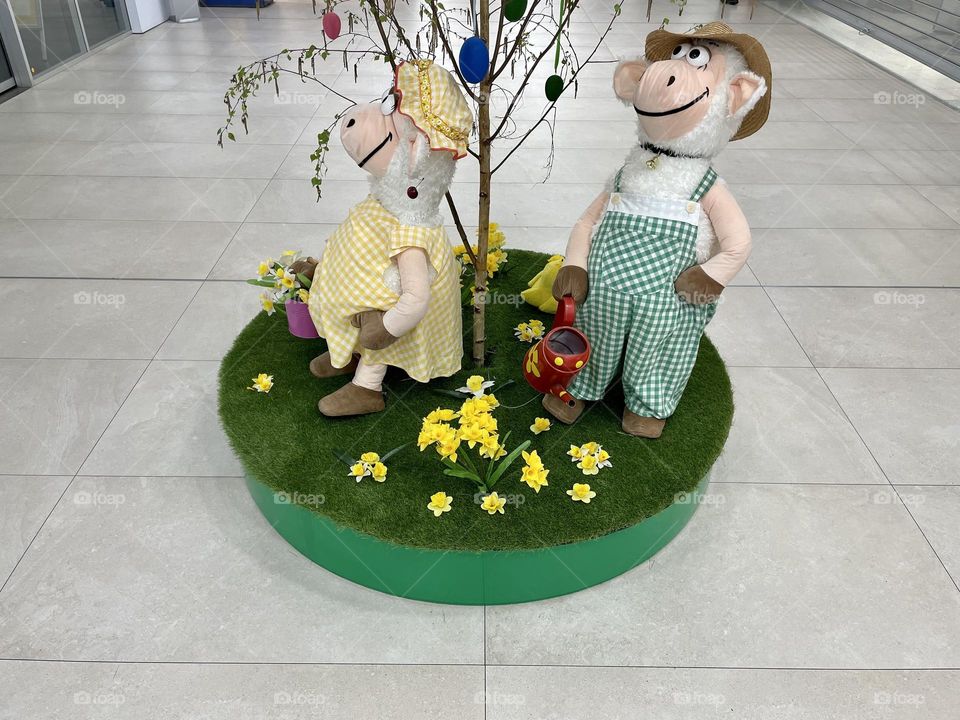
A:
x: 430, y: 97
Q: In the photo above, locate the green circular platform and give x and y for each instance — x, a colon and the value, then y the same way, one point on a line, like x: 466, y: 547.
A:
x: 381, y: 535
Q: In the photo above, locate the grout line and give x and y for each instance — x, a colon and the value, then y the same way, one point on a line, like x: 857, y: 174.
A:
x: 653, y: 666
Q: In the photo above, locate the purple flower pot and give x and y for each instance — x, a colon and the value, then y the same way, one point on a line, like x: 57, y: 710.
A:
x: 299, y: 320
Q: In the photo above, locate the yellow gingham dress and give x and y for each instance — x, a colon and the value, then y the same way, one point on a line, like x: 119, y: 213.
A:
x: 350, y: 279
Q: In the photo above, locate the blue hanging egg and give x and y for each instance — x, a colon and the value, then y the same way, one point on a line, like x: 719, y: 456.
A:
x: 474, y: 60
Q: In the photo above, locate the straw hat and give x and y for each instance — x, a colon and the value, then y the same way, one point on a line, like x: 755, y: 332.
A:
x: 660, y: 45
x: 431, y: 98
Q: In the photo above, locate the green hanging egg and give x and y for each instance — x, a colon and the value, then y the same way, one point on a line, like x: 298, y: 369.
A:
x: 513, y: 10
x: 553, y: 88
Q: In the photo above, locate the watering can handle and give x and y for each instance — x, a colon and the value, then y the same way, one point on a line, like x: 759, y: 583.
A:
x: 566, y: 312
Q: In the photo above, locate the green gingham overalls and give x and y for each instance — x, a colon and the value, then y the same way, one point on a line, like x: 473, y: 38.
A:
x: 632, y: 315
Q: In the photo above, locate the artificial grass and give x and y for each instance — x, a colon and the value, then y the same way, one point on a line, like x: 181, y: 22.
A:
x: 284, y: 442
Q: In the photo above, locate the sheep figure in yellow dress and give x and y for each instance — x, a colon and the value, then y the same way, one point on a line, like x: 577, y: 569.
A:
x: 386, y: 289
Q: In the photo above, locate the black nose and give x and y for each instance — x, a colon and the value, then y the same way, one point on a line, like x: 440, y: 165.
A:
x: 351, y: 122
x: 671, y: 81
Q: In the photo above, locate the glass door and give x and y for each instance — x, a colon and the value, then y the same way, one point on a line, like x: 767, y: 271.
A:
x: 50, y: 31
x: 6, y: 74
x: 102, y: 19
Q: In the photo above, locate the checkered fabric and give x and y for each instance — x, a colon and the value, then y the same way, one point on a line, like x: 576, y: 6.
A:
x: 350, y: 279
x: 638, y: 327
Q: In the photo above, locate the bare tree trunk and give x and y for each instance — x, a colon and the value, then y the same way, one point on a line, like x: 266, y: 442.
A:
x: 480, y: 292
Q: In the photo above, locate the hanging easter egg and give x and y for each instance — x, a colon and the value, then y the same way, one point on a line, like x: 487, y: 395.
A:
x: 513, y: 10
x: 553, y: 88
x: 331, y: 25
x: 474, y: 60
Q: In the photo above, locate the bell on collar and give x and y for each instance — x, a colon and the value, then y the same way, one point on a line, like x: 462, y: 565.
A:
x: 653, y: 162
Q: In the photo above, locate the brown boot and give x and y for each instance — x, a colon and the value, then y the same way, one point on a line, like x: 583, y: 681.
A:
x: 639, y: 426
x: 351, y: 400
x: 322, y: 367
x: 566, y: 414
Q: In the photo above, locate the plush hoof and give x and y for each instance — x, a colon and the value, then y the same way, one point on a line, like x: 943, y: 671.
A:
x: 561, y: 411
x: 638, y: 426
x: 351, y: 400
x: 322, y: 367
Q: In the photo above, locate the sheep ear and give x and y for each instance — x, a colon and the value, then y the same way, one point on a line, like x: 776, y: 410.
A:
x: 626, y: 77
x: 746, y: 89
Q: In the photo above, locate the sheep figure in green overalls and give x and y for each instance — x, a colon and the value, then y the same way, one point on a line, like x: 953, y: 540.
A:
x: 651, y: 255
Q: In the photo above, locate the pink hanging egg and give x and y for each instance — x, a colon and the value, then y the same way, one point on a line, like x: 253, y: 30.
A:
x: 331, y: 25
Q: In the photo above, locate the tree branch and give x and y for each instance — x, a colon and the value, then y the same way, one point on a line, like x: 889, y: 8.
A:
x: 530, y: 71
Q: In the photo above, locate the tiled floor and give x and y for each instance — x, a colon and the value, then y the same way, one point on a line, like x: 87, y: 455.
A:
x: 139, y: 580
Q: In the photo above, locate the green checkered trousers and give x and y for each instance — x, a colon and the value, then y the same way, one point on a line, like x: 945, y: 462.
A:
x: 632, y: 316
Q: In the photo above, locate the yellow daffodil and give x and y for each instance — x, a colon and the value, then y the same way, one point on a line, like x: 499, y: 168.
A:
x: 591, y: 447
x: 588, y: 464
x: 538, y: 327
x: 369, y: 457
x: 532, y: 459
x: 286, y: 279
x: 263, y: 268
x: 262, y: 383
x: 476, y: 385
x: 441, y: 415
x: 575, y: 452
x: 359, y: 471
x: 439, y: 503
x: 495, y: 237
x: 493, y: 503
x: 581, y: 492
x: 540, y: 425
x: 288, y: 257
x: 536, y: 478
x: 603, y: 459
x: 303, y: 295
x: 267, y: 303
x: 523, y: 333
x: 447, y: 448
x: 491, y: 448
x: 379, y: 471
x: 472, y: 434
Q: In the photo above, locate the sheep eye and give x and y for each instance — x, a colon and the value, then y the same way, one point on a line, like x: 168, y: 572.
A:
x: 698, y: 56
x: 389, y: 103
x: 680, y: 51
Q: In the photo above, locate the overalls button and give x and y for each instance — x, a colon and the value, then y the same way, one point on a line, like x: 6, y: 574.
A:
x: 615, y: 199
x: 691, y: 207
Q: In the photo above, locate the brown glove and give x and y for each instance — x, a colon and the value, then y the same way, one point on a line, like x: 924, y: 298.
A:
x: 696, y: 287
x: 373, y: 335
x: 307, y: 266
x: 571, y: 280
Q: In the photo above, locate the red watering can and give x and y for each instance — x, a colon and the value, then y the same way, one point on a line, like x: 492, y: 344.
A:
x: 551, y: 364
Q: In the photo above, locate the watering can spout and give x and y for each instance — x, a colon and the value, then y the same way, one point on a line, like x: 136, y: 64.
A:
x: 561, y: 392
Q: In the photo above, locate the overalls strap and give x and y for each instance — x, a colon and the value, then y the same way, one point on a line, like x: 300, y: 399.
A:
x: 616, y: 181
x: 705, y: 184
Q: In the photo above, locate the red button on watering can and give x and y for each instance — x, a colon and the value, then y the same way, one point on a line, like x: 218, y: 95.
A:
x: 551, y: 364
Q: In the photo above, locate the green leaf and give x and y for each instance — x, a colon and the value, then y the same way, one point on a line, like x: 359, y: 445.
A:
x: 455, y: 470
x: 231, y: 136
x: 393, y: 452
x: 507, y: 462
x: 304, y: 280
x: 343, y: 457
x: 261, y: 283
